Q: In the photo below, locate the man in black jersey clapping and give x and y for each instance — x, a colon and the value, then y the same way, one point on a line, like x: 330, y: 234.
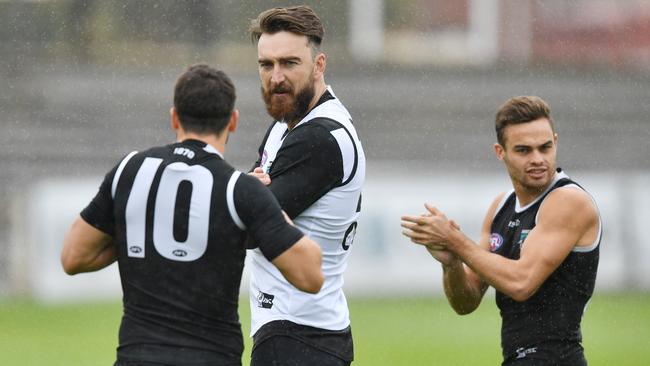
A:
x: 176, y: 218
x: 539, y: 245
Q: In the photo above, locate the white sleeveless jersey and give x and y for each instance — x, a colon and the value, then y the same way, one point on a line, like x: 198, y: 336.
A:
x: 330, y: 220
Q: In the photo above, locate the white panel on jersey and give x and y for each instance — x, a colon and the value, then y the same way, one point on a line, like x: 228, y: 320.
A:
x: 118, y: 172
x: 230, y: 200
x: 199, y: 213
x: 347, y: 151
x: 212, y: 150
x: 136, y: 207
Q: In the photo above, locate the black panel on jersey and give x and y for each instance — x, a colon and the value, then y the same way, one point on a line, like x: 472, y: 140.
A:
x: 185, y: 312
x: 554, y: 312
x: 307, y: 166
x: 99, y: 213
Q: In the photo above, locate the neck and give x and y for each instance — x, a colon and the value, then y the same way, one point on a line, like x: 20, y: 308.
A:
x: 319, y: 90
x: 527, y: 194
x: 218, y: 142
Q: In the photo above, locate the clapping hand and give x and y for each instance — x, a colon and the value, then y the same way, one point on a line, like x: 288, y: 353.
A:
x: 431, y: 230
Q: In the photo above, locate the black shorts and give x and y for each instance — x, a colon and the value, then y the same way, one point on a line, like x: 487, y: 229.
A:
x: 285, y: 343
x: 548, y: 354
x: 157, y: 355
x: 146, y: 363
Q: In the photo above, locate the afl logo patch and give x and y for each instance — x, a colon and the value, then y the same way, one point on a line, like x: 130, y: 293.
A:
x: 179, y: 253
x: 496, y: 241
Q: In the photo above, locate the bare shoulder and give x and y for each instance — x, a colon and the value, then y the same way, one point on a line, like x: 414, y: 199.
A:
x: 573, y: 209
x: 484, y: 241
x: 495, y: 203
x: 569, y: 198
x: 492, y: 210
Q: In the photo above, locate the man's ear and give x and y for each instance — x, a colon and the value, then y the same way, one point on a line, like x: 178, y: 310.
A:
x: 234, y: 120
x: 499, y: 151
x: 320, y: 62
x: 175, y: 122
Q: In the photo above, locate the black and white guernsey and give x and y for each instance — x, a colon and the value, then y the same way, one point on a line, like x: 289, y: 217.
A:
x: 317, y: 170
x: 179, y: 216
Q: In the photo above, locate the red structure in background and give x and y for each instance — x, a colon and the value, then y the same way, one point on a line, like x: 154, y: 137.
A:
x: 601, y: 33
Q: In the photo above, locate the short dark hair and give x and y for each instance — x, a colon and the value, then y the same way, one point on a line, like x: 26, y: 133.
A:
x: 518, y: 110
x: 301, y: 20
x: 204, y: 99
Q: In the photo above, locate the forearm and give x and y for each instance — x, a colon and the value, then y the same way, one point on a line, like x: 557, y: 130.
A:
x: 301, y: 265
x: 75, y: 261
x: 86, y: 249
x: 505, y: 275
x: 106, y: 257
x: 464, y: 292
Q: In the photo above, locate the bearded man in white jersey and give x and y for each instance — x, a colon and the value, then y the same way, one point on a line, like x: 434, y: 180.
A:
x: 312, y: 160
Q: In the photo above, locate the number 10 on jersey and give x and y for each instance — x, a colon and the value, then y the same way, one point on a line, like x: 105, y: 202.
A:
x: 173, y: 175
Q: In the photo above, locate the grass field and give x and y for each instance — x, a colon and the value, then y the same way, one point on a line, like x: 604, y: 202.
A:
x: 393, y: 332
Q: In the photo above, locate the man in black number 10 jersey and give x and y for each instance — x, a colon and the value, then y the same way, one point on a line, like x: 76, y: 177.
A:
x: 539, y: 245
x: 176, y: 219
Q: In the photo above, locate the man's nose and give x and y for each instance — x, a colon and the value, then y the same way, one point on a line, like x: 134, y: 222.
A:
x: 537, y: 157
x: 277, y: 75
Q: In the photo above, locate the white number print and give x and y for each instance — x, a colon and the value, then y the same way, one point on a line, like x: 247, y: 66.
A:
x: 164, y: 207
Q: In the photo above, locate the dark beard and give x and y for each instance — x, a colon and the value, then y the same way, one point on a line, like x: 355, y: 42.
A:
x: 294, y: 109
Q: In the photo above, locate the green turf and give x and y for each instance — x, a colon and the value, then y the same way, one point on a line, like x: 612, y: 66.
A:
x: 411, y: 331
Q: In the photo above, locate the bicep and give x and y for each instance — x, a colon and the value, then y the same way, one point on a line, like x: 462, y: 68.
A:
x: 556, y: 233
x: 84, y: 235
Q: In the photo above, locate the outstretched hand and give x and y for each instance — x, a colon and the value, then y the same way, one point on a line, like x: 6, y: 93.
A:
x: 261, y: 175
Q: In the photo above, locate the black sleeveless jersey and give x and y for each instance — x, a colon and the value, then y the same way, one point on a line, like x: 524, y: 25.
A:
x: 179, y: 216
x: 554, y: 312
